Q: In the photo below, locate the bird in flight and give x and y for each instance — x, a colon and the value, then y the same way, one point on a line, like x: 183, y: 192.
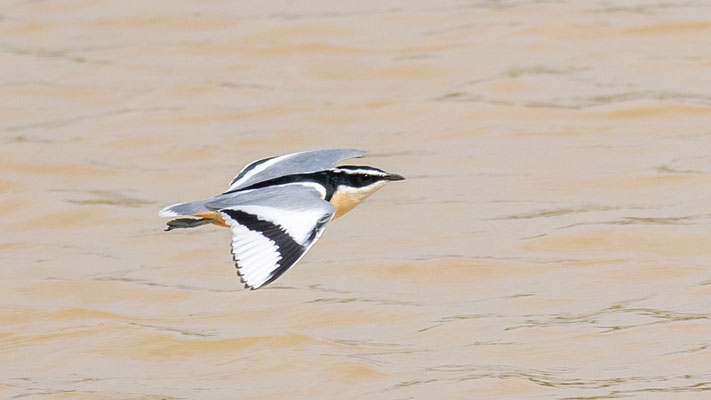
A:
x: 278, y: 207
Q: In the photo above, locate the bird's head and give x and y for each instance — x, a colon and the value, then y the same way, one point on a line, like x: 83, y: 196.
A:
x: 354, y: 183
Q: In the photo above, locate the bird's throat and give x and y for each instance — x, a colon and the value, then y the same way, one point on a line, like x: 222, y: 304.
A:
x: 346, y: 200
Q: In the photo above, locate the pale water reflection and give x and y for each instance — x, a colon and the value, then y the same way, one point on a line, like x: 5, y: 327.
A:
x: 552, y: 240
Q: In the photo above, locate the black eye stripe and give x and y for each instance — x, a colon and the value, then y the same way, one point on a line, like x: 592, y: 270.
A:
x: 362, y: 179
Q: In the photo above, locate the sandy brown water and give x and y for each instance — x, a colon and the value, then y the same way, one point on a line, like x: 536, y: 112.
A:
x: 552, y: 241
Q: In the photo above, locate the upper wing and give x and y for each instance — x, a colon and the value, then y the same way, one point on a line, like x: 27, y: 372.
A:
x: 288, y: 164
x: 272, y: 228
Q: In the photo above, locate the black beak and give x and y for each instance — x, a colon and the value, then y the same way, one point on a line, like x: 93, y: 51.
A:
x: 395, y: 177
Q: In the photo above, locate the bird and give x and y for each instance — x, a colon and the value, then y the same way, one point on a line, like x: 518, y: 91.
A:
x: 278, y: 207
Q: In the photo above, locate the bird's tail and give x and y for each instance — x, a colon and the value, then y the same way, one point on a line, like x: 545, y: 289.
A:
x: 179, y: 209
x: 187, y: 223
x: 193, y: 209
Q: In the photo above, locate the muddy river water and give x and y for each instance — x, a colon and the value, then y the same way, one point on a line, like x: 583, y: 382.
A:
x: 552, y: 241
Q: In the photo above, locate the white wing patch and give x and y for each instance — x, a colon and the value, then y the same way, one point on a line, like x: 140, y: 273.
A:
x: 256, y: 255
x: 266, y: 241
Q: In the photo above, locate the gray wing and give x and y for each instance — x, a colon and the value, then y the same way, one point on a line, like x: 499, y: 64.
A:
x: 272, y: 228
x: 295, y: 163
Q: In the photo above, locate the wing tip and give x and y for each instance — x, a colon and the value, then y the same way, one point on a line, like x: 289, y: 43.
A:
x: 246, y: 284
x: 357, y: 152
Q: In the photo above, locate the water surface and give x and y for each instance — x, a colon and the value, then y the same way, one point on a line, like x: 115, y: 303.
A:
x: 552, y: 240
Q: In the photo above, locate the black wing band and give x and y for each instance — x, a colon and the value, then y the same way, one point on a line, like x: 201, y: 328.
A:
x: 289, y: 250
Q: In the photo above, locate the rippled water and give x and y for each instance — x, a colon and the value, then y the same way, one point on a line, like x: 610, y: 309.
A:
x: 553, y: 239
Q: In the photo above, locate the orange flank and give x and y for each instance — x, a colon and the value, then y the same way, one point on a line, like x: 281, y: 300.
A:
x: 213, y: 217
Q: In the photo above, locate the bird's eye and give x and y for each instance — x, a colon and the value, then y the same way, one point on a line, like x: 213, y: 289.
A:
x: 365, y: 179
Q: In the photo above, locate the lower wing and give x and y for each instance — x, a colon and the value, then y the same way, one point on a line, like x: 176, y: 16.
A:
x: 272, y: 229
